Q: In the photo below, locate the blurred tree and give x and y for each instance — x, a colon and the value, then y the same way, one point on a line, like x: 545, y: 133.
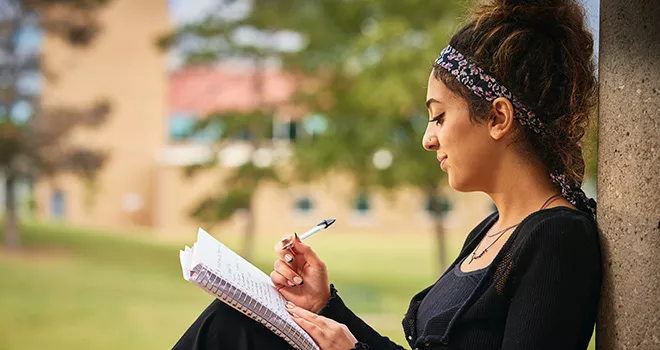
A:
x: 240, y: 183
x: 365, y: 65
x: 590, y: 148
x: 33, y: 138
x: 371, y: 61
x: 207, y: 42
x: 362, y: 67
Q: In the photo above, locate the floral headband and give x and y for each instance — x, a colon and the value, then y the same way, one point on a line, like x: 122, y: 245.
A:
x: 485, y: 86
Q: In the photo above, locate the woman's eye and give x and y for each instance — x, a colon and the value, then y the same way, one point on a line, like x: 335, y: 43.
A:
x: 438, y: 119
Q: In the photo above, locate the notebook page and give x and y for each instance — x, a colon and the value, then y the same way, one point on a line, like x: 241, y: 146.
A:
x: 222, y: 261
x: 185, y: 257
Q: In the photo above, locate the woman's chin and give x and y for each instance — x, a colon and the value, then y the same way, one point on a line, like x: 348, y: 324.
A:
x: 452, y: 183
x: 458, y: 185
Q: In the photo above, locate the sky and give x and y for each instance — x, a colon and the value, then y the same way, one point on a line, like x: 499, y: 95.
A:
x: 182, y: 11
x: 592, y: 8
x: 185, y: 10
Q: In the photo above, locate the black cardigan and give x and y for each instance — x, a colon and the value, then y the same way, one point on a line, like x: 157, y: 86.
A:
x: 540, y: 292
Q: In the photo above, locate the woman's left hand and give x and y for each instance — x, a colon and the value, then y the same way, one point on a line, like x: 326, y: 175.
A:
x: 327, y: 333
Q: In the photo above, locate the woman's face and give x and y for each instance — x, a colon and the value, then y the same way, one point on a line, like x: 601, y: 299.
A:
x: 471, y: 155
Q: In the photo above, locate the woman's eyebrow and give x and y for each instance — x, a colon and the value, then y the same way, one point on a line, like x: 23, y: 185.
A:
x: 431, y: 100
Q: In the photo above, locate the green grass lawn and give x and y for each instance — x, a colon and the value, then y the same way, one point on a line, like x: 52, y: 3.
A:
x: 74, y: 289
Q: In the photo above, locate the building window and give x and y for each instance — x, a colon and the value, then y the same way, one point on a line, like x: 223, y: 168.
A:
x: 131, y: 202
x: 315, y: 124
x: 287, y: 131
x: 180, y: 127
x: 241, y: 135
x: 210, y: 133
x: 57, y: 205
x: 436, y: 205
x: 304, y: 205
x: 362, y: 205
x: 292, y: 132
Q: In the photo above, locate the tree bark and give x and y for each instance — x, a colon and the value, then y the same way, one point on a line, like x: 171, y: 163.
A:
x: 248, y: 235
x: 12, y: 239
x: 258, y: 86
x: 438, y: 227
x: 440, y: 236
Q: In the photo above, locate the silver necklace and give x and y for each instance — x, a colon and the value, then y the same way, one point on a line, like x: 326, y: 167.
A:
x: 474, y: 254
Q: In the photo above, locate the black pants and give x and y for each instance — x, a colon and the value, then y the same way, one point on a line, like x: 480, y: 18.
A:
x: 220, y: 327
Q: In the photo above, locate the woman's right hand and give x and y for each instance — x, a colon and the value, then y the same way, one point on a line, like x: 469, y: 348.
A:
x: 300, y: 275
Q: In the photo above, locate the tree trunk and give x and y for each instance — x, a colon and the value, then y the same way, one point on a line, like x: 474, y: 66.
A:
x: 258, y: 87
x: 248, y: 235
x: 438, y: 227
x: 12, y: 239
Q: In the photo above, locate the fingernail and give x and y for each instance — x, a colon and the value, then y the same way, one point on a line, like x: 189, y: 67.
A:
x: 298, y: 280
x: 288, y: 258
x: 295, y: 235
x: 289, y: 305
x: 285, y: 238
x: 291, y: 284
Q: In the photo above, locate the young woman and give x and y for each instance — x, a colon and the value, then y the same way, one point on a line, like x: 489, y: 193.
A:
x: 508, y: 101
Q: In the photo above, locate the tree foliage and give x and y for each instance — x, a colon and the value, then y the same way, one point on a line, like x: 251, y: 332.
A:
x: 362, y: 65
x: 32, y: 137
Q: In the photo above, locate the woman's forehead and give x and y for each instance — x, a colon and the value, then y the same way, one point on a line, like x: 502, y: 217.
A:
x: 437, y: 90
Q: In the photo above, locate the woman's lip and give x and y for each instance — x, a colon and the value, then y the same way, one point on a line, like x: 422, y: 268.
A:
x: 442, y: 162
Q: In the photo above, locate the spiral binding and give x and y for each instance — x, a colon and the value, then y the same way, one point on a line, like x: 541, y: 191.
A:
x: 250, y: 307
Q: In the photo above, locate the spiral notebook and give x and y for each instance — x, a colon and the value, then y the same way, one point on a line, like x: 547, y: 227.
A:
x: 224, y: 274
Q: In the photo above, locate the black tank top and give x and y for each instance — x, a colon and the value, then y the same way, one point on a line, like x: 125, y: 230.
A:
x: 448, y: 292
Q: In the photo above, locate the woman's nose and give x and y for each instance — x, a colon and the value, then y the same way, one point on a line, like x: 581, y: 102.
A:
x: 430, y: 143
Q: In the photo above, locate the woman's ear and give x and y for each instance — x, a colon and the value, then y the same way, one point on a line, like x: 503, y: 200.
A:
x: 501, y: 121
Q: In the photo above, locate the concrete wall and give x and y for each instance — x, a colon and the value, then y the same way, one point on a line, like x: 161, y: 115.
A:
x: 628, y: 168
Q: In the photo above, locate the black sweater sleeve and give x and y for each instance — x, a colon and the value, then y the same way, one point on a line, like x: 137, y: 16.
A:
x: 553, y: 302
x: 336, y: 309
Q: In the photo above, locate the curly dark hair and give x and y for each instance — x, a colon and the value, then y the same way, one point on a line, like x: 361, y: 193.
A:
x: 542, y: 51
